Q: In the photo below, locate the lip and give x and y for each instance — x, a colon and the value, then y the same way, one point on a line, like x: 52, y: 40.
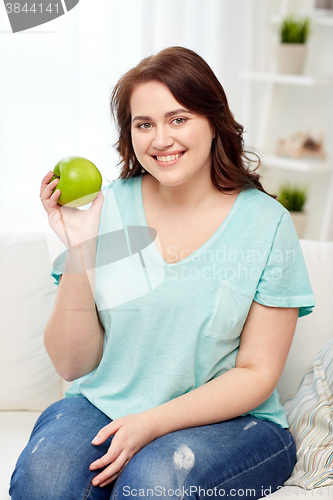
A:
x: 169, y: 153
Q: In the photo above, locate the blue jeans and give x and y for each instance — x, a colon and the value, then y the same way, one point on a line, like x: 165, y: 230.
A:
x: 241, y: 457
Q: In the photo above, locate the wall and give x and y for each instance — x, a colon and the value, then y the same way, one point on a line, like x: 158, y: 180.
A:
x: 56, y: 80
x: 295, y: 108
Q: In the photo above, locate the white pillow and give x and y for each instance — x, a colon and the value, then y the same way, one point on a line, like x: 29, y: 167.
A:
x: 28, y: 380
x: 314, y: 330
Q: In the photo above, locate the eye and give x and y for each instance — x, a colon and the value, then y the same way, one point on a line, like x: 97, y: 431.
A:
x: 144, y: 126
x: 179, y: 121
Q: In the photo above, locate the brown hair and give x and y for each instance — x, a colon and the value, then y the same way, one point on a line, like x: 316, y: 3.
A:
x: 195, y: 86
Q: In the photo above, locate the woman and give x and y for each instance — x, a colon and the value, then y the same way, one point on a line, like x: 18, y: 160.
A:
x: 175, y: 341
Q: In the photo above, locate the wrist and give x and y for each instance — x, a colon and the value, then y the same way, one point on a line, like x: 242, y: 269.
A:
x: 78, y: 258
x: 157, y: 424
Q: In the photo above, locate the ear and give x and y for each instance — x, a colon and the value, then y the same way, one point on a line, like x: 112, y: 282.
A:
x: 214, y: 132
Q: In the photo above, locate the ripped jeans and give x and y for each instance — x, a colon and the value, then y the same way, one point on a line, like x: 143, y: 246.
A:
x: 241, y: 458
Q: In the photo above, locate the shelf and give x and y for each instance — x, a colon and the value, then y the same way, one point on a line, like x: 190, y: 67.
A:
x: 323, y: 20
x: 305, y: 80
x: 302, y: 165
x: 316, y: 19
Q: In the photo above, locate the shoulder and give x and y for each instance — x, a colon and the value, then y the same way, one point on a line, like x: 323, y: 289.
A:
x: 123, y: 192
x: 120, y: 185
x: 260, y: 217
x: 121, y: 199
x: 262, y: 205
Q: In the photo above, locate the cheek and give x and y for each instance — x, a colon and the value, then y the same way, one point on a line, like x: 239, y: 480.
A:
x: 200, y: 141
x: 137, y: 143
x: 197, y: 137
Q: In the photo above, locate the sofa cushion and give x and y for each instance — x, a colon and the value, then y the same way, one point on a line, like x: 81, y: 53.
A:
x: 28, y: 380
x: 310, y: 416
x: 15, y: 430
x: 316, y: 329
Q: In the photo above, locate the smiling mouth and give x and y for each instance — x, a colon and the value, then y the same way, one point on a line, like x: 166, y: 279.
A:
x: 168, y: 158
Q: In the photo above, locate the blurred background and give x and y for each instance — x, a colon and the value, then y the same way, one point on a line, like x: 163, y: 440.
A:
x: 56, y: 79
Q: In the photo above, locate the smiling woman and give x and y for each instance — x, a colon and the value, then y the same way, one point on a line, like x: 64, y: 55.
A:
x: 229, y: 159
x: 175, y: 345
x: 178, y: 139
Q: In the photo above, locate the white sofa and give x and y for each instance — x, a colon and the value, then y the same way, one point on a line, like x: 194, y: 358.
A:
x: 28, y: 381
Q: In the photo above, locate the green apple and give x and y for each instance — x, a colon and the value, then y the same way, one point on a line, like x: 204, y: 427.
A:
x: 80, y: 181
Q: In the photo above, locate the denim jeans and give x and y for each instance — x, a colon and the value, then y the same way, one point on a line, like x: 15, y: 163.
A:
x: 241, y: 457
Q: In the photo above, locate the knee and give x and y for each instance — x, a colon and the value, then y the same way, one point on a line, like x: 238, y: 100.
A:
x: 44, y: 474
x: 157, y: 472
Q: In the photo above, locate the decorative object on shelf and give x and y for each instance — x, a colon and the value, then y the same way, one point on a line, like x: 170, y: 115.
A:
x: 302, y: 145
x: 293, y: 198
x: 324, y: 4
x: 291, y: 49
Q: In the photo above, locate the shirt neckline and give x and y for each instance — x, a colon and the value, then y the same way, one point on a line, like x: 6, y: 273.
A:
x: 224, y: 224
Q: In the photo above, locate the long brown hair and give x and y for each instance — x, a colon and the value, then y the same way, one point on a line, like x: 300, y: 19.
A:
x: 195, y: 86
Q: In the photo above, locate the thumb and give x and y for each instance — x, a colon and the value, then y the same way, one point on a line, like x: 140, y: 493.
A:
x: 98, y: 201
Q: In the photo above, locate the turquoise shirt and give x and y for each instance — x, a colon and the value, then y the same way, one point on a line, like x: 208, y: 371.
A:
x: 170, y: 328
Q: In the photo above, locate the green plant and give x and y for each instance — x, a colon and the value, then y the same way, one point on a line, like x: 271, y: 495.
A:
x: 292, y: 198
x: 294, y: 30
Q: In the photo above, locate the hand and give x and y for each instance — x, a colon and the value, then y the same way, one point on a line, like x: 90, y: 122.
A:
x: 71, y: 225
x: 131, y: 433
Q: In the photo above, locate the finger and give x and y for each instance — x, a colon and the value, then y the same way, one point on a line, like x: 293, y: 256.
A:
x: 106, y: 432
x: 112, y: 471
x: 52, y: 202
x: 48, y: 190
x: 49, y: 199
x: 99, y: 197
x: 109, y: 481
x: 112, y: 478
x: 110, y: 456
x: 45, y: 182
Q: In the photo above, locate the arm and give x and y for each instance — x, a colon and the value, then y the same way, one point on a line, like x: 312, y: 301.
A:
x: 73, y: 336
x: 265, y: 342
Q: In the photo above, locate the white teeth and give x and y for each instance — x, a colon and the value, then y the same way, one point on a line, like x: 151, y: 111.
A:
x: 169, y: 157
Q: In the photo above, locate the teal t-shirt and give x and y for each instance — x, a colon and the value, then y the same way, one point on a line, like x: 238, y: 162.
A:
x: 170, y: 328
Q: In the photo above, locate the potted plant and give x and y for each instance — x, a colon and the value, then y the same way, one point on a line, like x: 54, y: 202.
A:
x: 293, y: 198
x: 291, y: 49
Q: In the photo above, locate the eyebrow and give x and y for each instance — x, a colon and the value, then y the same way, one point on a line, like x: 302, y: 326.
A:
x: 167, y: 115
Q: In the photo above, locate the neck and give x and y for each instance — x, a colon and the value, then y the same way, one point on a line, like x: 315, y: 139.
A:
x: 193, y: 194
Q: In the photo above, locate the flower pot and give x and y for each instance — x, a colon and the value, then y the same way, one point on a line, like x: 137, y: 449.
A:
x: 290, y: 58
x: 299, y: 220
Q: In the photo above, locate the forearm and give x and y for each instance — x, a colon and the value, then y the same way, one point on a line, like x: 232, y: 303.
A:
x: 73, y: 336
x: 232, y: 394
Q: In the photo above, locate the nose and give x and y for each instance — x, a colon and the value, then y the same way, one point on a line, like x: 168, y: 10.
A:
x: 162, y: 139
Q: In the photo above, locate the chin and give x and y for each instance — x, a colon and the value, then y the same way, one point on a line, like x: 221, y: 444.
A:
x: 169, y: 180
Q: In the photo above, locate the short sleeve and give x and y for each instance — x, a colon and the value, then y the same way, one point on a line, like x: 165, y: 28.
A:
x: 284, y: 281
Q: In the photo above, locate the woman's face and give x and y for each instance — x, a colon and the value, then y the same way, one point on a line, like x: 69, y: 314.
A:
x: 171, y: 143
